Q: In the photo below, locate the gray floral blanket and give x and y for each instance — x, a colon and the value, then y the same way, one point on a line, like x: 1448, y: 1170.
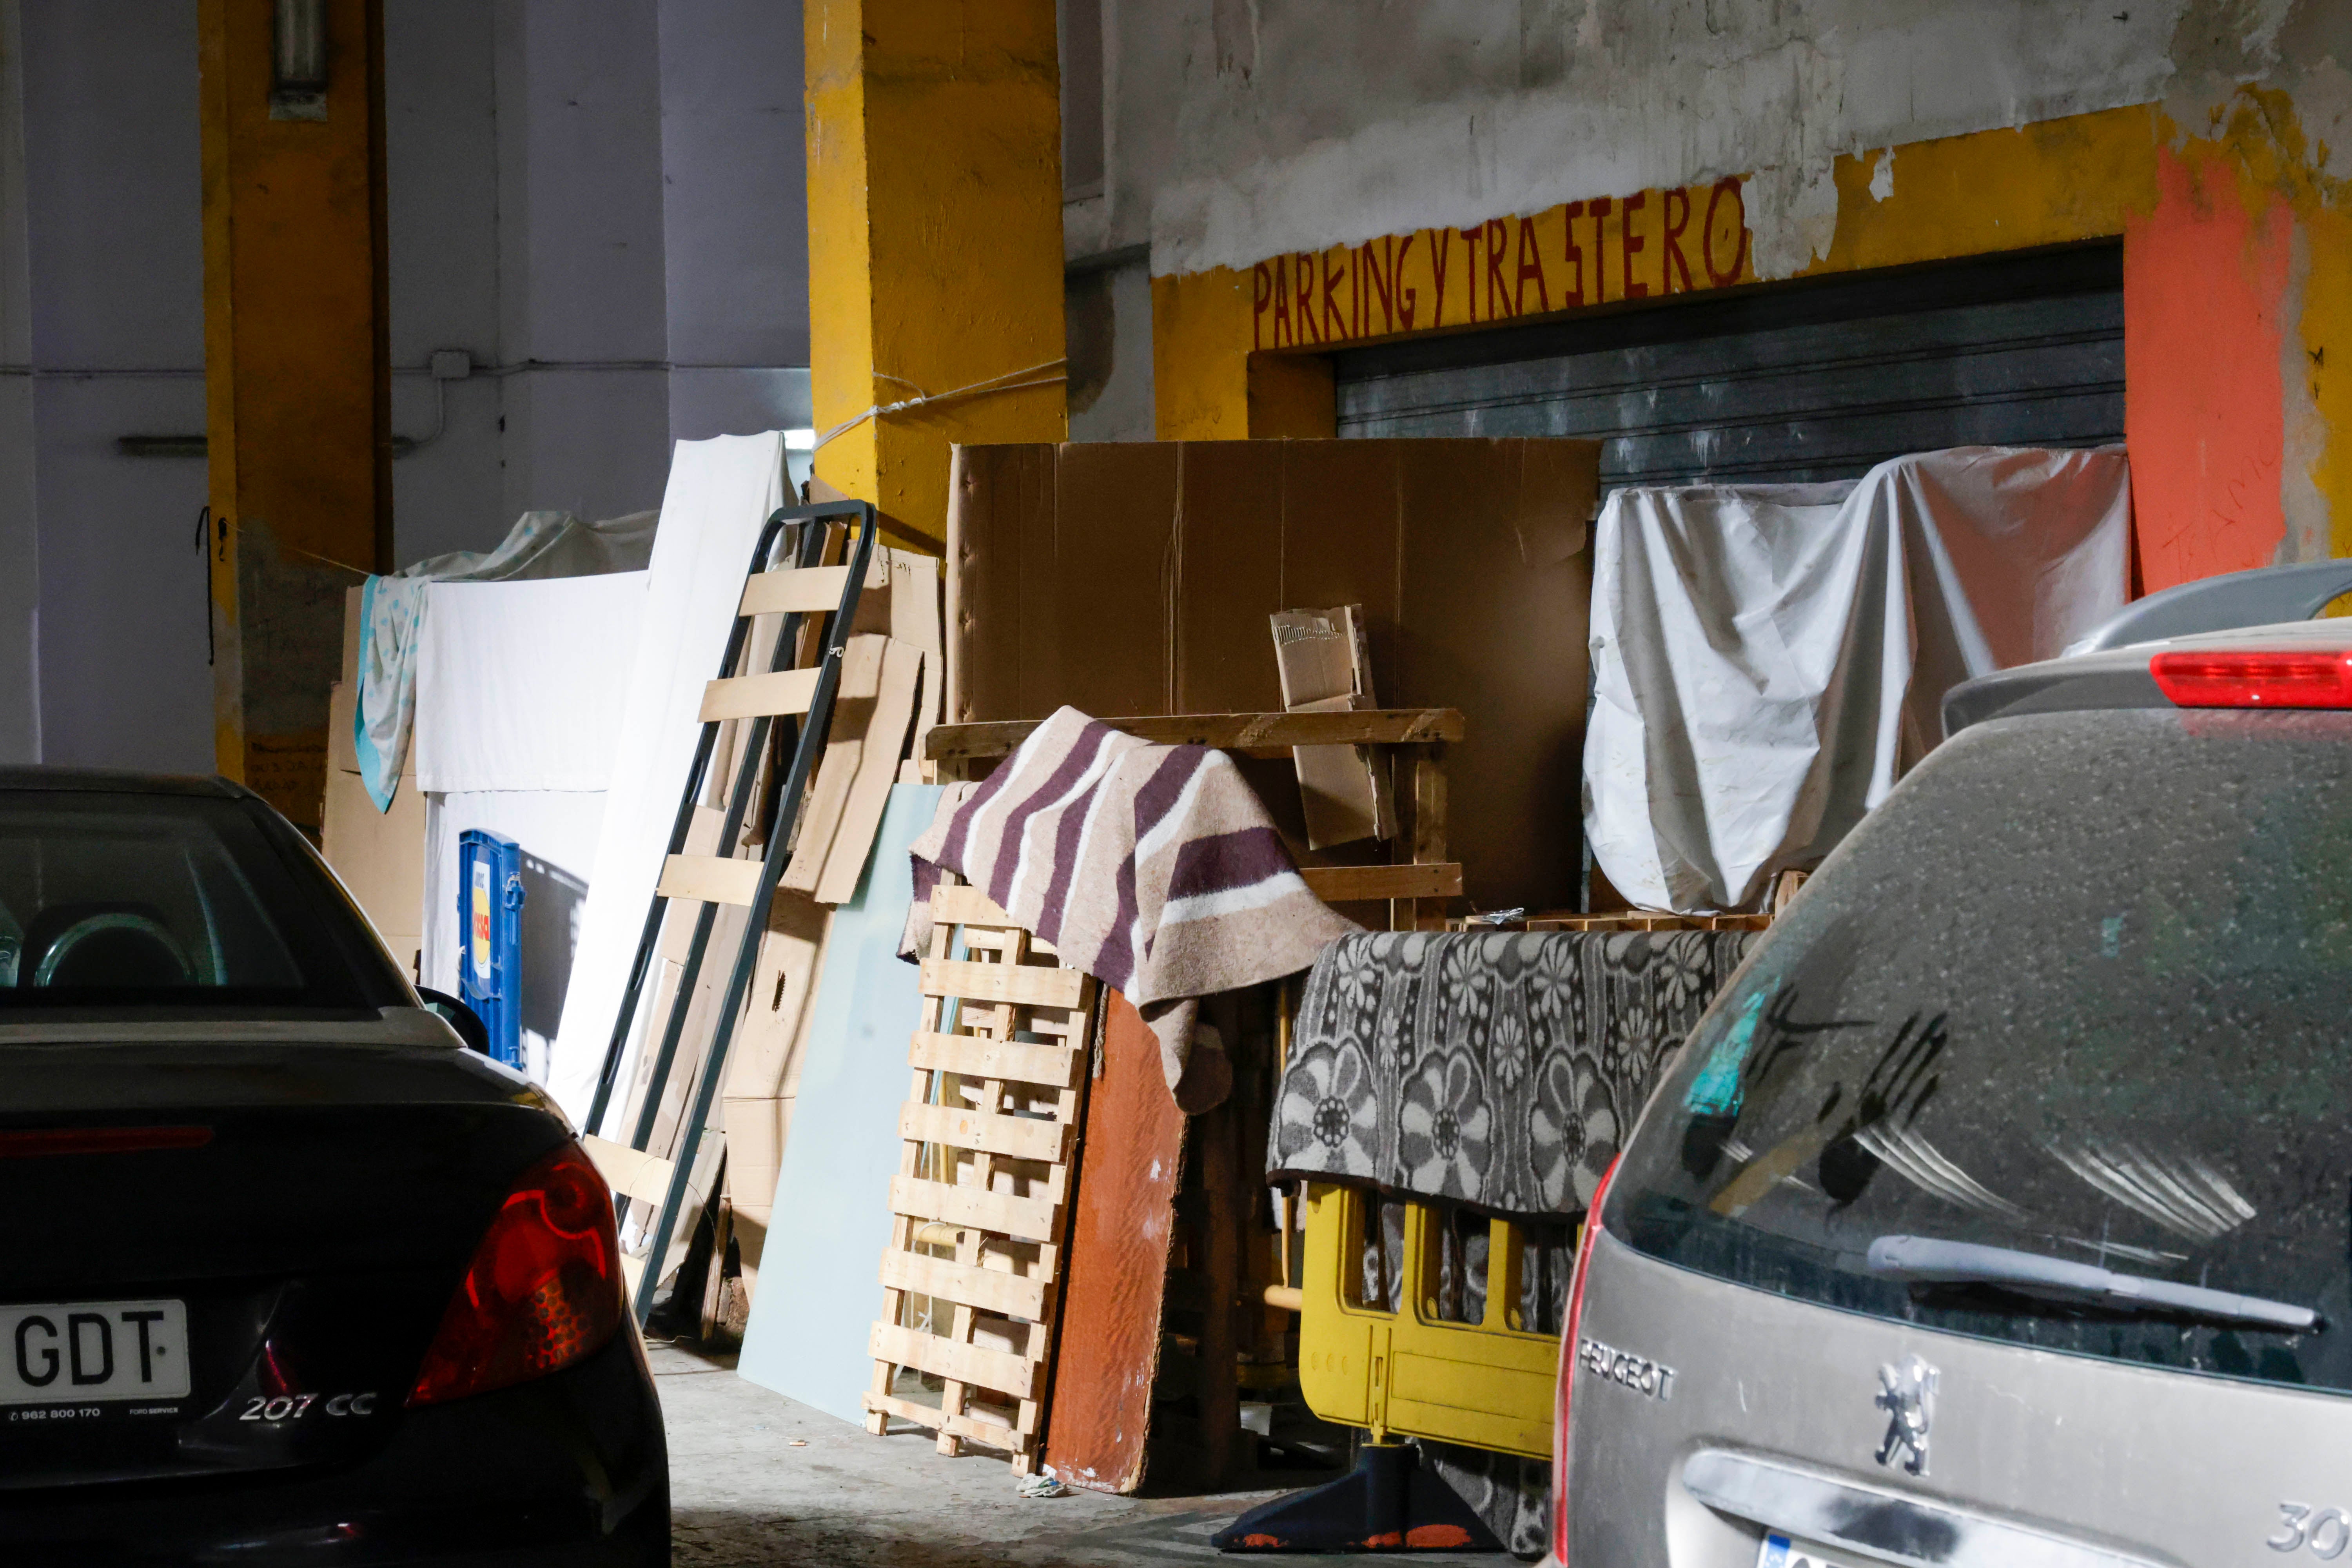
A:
x: 1495, y: 1070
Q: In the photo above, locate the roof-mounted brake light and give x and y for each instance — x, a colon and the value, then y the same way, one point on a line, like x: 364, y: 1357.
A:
x: 2248, y: 679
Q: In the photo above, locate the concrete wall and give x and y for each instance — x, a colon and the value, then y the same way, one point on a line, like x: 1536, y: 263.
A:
x: 599, y: 201
x: 1299, y: 169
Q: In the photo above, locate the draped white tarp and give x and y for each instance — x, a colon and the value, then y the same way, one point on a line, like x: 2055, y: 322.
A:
x: 1768, y: 660
x: 519, y: 685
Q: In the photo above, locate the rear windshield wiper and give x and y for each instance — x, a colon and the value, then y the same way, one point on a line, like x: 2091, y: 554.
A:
x: 1931, y: 1258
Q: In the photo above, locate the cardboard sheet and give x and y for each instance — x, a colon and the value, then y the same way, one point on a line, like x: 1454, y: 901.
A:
x: 1138, y: 577
x: 378, y: 855
x: 830, y: 1221
x: 720, y: 494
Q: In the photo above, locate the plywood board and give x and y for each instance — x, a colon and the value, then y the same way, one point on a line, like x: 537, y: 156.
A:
x: 831, y: 1217
x: 1117, y: 1263
x: 861, y: 760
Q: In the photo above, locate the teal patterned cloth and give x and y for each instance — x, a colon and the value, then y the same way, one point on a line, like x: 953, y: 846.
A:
x: 1499, y: 1071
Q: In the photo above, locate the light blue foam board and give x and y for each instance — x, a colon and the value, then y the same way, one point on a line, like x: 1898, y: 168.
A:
x: 819, y: 1290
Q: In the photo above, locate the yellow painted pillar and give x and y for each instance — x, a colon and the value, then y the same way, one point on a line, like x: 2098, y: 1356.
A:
x: 935, y: 241
x: 297, y: 380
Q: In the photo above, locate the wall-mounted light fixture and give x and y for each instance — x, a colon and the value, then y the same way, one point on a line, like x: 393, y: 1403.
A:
x: 298, y: 75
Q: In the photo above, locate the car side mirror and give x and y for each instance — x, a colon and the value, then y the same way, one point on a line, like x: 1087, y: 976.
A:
x: 460, y: 1018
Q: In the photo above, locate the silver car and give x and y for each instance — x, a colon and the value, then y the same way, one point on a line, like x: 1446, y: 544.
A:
x: 1999, y: 1212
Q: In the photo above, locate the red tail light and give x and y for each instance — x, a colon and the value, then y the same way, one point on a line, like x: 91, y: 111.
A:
x: 2241, y: 679
x: 1567, y: 1366
x: 543, y: 1291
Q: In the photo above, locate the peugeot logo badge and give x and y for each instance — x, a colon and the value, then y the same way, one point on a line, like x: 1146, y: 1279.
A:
x: 1907, y: 1394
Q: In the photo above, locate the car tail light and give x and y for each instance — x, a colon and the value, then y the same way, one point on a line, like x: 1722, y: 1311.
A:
x: 2243, y: 679
x: 542, y: 1292
x: 1567, y: 1365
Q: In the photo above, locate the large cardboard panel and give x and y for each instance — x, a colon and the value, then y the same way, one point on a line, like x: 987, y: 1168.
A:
x: 380, y: 856
x: 1470, y: 557
x: 830, y: 1221
x: 1230, y: 577
x: 1116, y: 1284
x: 1116, y: 521
x: 1501, y: 636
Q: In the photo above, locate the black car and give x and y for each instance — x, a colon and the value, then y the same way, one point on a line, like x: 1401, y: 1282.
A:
x: 288, y: 1274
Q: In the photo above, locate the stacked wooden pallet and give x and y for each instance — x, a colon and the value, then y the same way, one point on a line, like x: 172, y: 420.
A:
x: 991, y: 1130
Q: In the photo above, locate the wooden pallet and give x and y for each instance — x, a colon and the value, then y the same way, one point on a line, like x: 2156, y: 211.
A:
x: 981, y: 1205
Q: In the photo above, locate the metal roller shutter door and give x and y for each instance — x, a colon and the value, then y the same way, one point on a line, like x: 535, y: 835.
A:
x: 1799, y: 381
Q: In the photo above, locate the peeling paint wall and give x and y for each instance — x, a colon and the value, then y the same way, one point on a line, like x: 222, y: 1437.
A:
x: 2213, y: 137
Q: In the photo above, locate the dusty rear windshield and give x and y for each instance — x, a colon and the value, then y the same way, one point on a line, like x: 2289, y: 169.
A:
x: 114, y: 900
x: 2081, y: 989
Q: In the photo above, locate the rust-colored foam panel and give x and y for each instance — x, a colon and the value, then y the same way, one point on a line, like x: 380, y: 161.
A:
x: 1117, y: 1263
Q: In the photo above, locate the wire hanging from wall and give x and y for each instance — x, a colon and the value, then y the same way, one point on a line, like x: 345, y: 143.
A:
x: 1008, y: 382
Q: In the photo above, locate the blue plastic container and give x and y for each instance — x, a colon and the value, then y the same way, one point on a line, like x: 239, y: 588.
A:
x: 489, y: 913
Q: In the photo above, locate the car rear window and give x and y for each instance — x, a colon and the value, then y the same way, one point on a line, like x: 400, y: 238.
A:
x: 2081, y: 989
x: 109, y: 900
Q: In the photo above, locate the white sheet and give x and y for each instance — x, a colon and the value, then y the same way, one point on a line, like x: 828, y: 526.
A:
x: 1768, y: 658
x: 557, y: 831
x: 720, y: 491
x: 519, y: 685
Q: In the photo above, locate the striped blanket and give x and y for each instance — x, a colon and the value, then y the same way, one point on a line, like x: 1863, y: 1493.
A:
x: 1153, y: 868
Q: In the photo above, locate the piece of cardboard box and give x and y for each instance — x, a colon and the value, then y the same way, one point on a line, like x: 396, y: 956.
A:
x: 1138, y: 577
x: 380, y: 856
x: 1324, y: 664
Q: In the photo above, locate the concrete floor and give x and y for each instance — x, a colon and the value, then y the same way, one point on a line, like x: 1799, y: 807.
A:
x: 758, y: 1479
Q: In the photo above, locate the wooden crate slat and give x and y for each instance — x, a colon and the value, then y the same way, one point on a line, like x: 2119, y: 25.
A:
x: 712, y: 879
x: 1227, y: 732
x: 984, y: 1432
x: 990, y: 1289
x: 960, y: 903
x: 1013, y: 984
x: 1055, y: 1067
x: 807, y: 589
x: 769, y: 695
x: 942, y: 1357
x: 1017, y: 1136
x: 1355, y: 884
x: 1031, y: 1219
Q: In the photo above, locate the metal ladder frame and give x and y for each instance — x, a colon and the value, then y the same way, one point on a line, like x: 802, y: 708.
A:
x: 781, y: 806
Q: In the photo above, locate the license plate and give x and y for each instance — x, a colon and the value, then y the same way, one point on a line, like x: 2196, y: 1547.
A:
x: 1779, y: 1551
x: 64, y: 1361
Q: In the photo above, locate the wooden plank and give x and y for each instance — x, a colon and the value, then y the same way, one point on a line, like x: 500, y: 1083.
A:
x: 1004, y: 985
x: 778, y: 692
x: 1015, y: 1137
x: 960, y: 903
x: 1116, y: 1266
x: 874, y: 767
x: 1227, y: 732
x: 713, y: 878
x: 828, y: 795
x: 1057, y: 1066
x: 942, y: 1357
x: 1009, y: 1439
x: 807, y: 589
x: 1034, y: 1219
x: 991, y: 1289
x: 1347, y: 884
